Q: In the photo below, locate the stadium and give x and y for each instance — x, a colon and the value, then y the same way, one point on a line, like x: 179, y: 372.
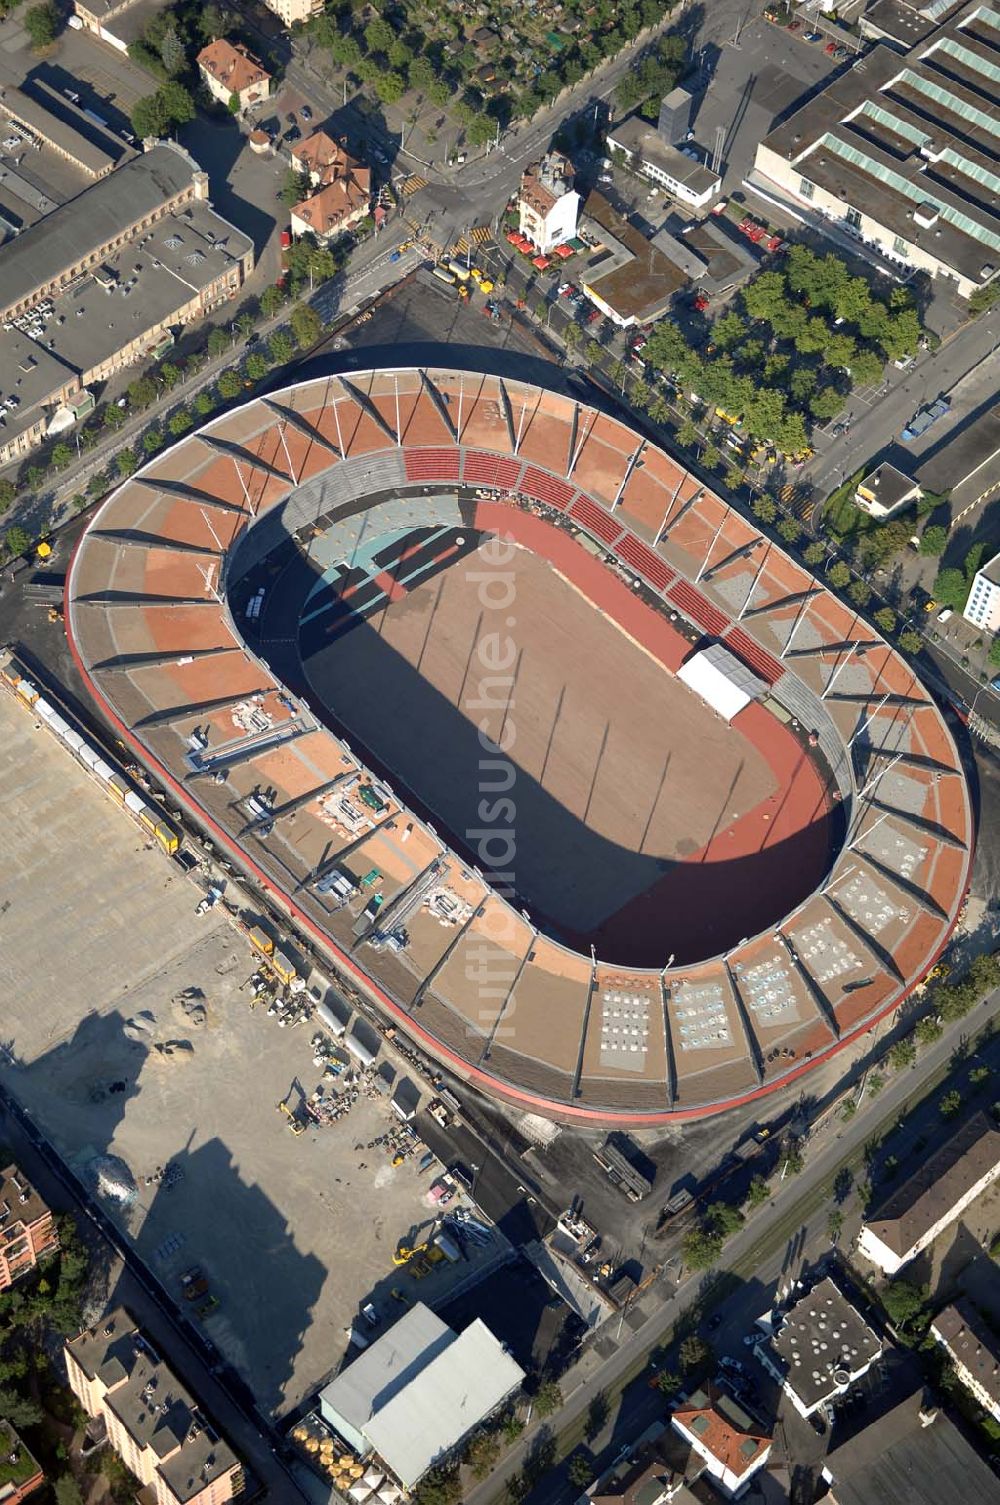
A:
x: 590, y: 789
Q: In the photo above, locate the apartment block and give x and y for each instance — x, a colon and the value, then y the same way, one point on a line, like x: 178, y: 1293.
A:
x: 27, y: 1228
x: 153, y: 1424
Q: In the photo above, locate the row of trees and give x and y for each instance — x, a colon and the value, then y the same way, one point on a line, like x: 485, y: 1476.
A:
x: 654, y: 76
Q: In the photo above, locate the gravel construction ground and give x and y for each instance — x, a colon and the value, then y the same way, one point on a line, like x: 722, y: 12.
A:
x: 127, y: 1035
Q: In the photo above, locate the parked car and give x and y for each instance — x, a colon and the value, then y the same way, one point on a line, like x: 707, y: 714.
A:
x: 812, y: 36
x: 700, y: 302
x: 306, y: 113
x: 830, y: 48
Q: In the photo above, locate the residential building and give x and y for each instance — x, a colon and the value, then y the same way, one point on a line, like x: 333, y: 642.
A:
x: 724, y: 1437
x: 20, y: 1472
x: 896, y: 150
x: 343, y: 199
x: 103, y: 282
x: 27, y: 1227
x: 681, y: 170
x: 983, y: 606
x: 974, y: 1348
x: 886, y: 491
x: 625, y: 275
x: 659, y: 1470
x: 295, y: 12
x: 910, y: 1455
x: 547, y: 202
x: 821, y: 1348
x: 322, y: 159
x: 416, y: 1393
x: 152, y: 1422
x: 936, y: 1194
x: 231, y: 72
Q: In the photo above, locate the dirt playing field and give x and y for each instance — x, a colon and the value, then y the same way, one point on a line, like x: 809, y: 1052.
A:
x: 613, y: 818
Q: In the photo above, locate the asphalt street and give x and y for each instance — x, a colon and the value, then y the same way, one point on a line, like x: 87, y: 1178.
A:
x: 767, y: 1253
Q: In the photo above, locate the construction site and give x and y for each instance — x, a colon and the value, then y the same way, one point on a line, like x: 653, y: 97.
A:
x: 269, y: 1174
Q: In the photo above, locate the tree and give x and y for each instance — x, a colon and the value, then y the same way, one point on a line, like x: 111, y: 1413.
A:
x: 903, y: 1053
x: 229, y: 384
x: 178, y: 423
x: 765, y: 508
x: 834, y: 1223
x: 18, y: 1409
x: 952, y: 588
x: 256, y: 366
x: 951, y: 1104
x: 814, y: 553
x: 701, y: 1248
x: 280, y: 347
x: 204, y: 403
x: 482, y: 1453
x: 8, y: 492
x: 307, y: 326
x: 667, y: 1382
x: 594, y: 353
x: 580, y: 1470
x: 934, y: 540
x: 233, y: 104
x: 571, y: 336
x: 271, y: 300
x: 790, y: 529
x: 994, y: 653
x: 885, y: 618
x: 928, y: 1029
x: 903, y: 1302
x: 758, y: 1191
x: 141, y: 392
x: 710, y: 457
x: 548, y: 1398
x: 152, y: 440
x: 860, y: 592
x: 218, y: 342
x: 390, y: 87
x: 910, y: 641
x: 172, y: 51
x: 295, y: 188
x: 18, y: 542
x: 67, y: 1491
x: 839, y: 575
x: 61, y: 455
x: 379, y: 35
x: 126, y: 462
x: 687, y: 435
x: 695, y: 1354
x: 733, y: 478
x: 169, y: 375
x: 41, y: 23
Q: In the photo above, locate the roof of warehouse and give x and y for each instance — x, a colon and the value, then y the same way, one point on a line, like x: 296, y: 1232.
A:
x: 103, y: 211
x: 387, y: 1366
x: 65, y: 138
x: 458, y: 1389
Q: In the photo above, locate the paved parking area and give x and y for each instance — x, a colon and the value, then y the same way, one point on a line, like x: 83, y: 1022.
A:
x: 130, y: 1040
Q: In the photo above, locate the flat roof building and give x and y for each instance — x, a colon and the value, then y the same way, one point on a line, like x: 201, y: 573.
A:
x: 27, y: 1227
x: 974, y: 1348
x: 678, y: 169
x: 934, y: 1196
x: 821, y: 1348
x: 983, y: 606
x: 911, y: 1455
x: 724, y: 1436
x: 418, y: 1391
x: 886, y: 490
x: 153, y: 1423
x: 900, y: 151
x: 625, y: 275
x: 42, y: 125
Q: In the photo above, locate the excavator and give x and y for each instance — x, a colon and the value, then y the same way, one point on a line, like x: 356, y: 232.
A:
x: 295, y: 1122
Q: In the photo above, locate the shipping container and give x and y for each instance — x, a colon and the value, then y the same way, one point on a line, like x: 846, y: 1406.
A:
x: 283, y: 965
x: 103, y: 770
x: 117, y: 788
x: 89, y: 756
x: 262, y: 942
x: 329, y: 1020
x: 167, y: 837
x: 134, y: 802
x: 43, y: 708
x: 28, y: 691
x: 75, y: 741
x: 147, y: 820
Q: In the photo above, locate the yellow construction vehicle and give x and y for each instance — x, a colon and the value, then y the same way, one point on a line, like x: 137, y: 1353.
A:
x: 295, y: 1123
x: 405, y: 1253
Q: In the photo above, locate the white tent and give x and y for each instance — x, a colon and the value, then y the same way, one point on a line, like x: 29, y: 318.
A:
x: 719, y: 679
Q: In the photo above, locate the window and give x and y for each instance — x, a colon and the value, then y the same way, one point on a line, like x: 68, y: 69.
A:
x: 900, y: 247
x: 806, y: 189
x: 853, y: 217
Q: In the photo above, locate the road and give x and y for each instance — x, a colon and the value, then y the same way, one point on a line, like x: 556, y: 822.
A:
x: 788, y: 1231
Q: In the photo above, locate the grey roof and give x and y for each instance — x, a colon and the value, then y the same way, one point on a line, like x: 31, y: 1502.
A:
x: 65, y: 138
x: 940, y: 1182
x: 897, y: 1459
x: 384, y: 1368
x: 152, y: 1405
x: 456, y: 1391
x: 991, y: 570
x: 822, y: 1335
x: 889, y: 484
x: 637, y: 136
x: 966, y: 463
x: 972, y: 1343
x: 94, y: 219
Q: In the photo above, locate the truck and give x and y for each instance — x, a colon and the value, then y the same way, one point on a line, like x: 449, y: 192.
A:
x: 461, y: 272
x: 924, y: 417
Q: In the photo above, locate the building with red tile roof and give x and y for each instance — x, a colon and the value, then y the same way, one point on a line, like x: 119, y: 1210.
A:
x: 722, y: 1434
x: 230, y: 71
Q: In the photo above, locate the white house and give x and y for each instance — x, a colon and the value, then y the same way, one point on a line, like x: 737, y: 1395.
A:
x: 936, y: 1194
x: 548, y: 205
x: 983, y: 606
x: 821, y: 1348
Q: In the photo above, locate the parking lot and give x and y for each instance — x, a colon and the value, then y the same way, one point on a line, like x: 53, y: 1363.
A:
x: 130, y: 1038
